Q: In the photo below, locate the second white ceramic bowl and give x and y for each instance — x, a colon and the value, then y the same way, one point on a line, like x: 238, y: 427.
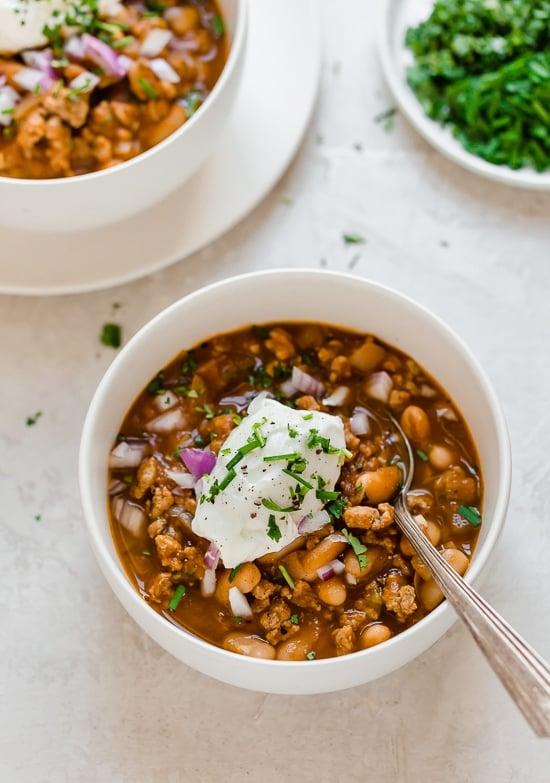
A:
x: 292, y: 295
x: 104, y: 197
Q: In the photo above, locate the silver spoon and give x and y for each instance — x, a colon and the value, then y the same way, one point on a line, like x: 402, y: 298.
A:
x: 524, y: 674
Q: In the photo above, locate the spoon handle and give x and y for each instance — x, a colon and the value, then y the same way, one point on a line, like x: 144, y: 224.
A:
x: 524, y: 674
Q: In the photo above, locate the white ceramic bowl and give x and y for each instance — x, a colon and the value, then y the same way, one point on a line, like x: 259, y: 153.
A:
x: 104, y: 197
x: 278, y: 296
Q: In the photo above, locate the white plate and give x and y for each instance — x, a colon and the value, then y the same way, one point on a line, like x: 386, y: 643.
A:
x: 395, y: 16
x: 272, y: 110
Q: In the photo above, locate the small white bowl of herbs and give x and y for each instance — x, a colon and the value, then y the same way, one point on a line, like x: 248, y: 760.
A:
x: 473, y: 77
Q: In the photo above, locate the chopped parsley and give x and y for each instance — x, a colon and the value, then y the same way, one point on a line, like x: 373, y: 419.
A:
x: 286, y: 576
x: 471, y: 515
x: 111, y: 335
x: 273, y: 529
x: 30, y: 421
x: 358, y: 548
x: 176, y: 598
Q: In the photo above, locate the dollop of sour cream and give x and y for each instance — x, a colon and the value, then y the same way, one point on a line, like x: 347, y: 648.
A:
x: 255, y: 497
x: 22, y: 23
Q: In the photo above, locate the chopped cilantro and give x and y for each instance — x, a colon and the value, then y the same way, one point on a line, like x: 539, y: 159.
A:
x: 189, y: 364
x: 217, y: 25
x: 273, y: 529
x: 422, y: 454
x: 156, y: 386
x: 234, y: 571
x: 293, y: 433
x: 358, y: 548
x: 111, y: 335
x: 176, y: 598
x: 294, y: 619
x: 286, y: 576
x: 206, y: 409
x: 236, y: 419
x: 311, y: 655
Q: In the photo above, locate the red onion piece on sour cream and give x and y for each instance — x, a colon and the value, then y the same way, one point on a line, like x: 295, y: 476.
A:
x: 212, y: 557
x: 313, y: 522
x: 198, y: 461
x: 239, y: 605
x: 306, y: 383
x: 379, y: 386
x: 330, y: 569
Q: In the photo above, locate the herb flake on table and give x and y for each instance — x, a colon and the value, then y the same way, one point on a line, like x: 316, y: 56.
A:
x: 354, y: 239
x: 30, y: 421
x: 386, y: 118
x: 111, y: 335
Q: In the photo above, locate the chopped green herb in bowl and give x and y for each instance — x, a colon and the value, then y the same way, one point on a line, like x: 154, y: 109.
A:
x: 483, y: 69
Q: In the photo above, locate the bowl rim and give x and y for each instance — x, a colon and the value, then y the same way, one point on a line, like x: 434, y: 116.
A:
x: 235, y: 52
x: 110, y: 561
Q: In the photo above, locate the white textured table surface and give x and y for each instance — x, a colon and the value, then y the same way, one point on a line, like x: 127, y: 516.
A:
x: 84, y: 695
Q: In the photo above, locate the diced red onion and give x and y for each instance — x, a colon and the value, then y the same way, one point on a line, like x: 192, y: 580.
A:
x: 239, y: 604
x: 155, y: 41
x: 109, y: 7
x: 330, y: 569
x: 125, y: 62
x: 208, y: 583
x: 85, y: 82
x: 75, y: 48
x: 359, y: 422
x: 127, y: 455
x: 338, y: 397
x: 350, y: 579
x: 288, y: 388
x: 8, y: 100
x: 103, y: 55
x: 212, y: 557
x: 198, y: 461
x: 337, y: 537
x: 447, y: 413
x: 182, y: 44
x: 41, y: 60
x: 172, y: 13
x: 182, y: 479
x: 31, y: 78
x: 313, y: 522
x: 379, y: 386
x: 167, y: 422
x: 306, y: 383
x: 427, y: 391
x: 165, y: 401
x: 239, y: 401
x: 116, y: 487
x: 129, y: 514
x: 164, y: 70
